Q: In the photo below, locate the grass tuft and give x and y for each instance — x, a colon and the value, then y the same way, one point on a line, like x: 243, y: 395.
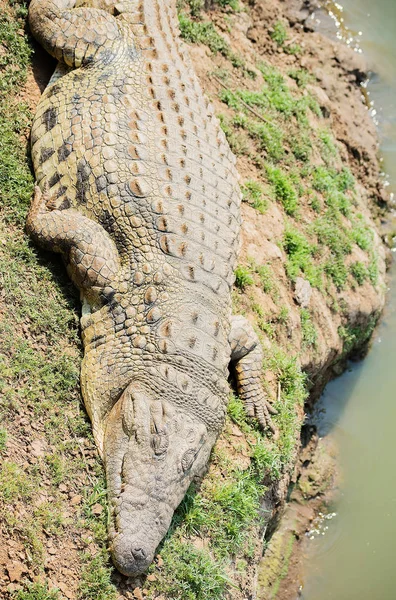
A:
x: 37, y: 591
x: 95, y: 582
x: 243, y: 277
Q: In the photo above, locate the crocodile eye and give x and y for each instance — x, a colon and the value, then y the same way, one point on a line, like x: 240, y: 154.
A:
x: 188, y: 459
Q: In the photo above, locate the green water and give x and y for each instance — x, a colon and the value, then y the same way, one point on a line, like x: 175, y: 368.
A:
x: 352, y: 555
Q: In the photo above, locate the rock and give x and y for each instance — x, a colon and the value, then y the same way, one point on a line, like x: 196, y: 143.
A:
x: 302, y: 292
x: 322, y: 98
x: 97, y: 509
x: 160, y: 562
x: 264, y: 249
x: 75, y: 500
x: 38, y: 448
x: 15, y: 570
x: 13, y: 587
x: 66, y: 590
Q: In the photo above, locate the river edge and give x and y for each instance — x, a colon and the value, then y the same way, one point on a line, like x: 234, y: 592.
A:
x: 251, y: 34
x: 315, y: 486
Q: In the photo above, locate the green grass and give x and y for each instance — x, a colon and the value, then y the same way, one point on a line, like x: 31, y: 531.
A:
x: 302, y: 77
x: 284, y: 189
x: 308, y: 330
x: 188, y: 573
x: 300, y: 257
x: 254, y: 194
x: 15, y: 484
x: 359, y: 272
x: 204, y: 32
x: 3, y: 439
x: 279, y: 33
x: 355, y: 337
x: 243, y: 277
x: 36, y: 591
x: 328, y: 150
x: 95, y: 582
x: 266, y: 278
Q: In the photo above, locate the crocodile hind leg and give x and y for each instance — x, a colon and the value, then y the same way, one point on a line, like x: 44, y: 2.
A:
x: 74, y: 36
x: 91, y: 256
x: 247, y: 357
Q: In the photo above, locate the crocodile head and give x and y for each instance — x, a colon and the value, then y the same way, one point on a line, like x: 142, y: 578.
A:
x: 152, y: 452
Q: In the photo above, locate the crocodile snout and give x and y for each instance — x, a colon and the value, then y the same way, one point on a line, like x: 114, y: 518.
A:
x: 131, y: 557
x: 151, y: 455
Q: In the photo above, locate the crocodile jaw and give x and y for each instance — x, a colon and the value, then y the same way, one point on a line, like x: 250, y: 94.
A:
x: 151, y: 455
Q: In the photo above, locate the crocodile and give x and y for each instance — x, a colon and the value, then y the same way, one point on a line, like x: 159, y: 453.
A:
x: 137, y: 189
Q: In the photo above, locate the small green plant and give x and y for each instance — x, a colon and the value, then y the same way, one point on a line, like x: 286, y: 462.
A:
x: 233, y: 4
x: 292, y: 49
x: 308, y: 329
x: 266, y: 277
x: 300, y: 257
x: 316, y: 204
x: 373, y: 268
x: 359, y: 272
x: 95, y: 582
x: 332, y: 234
x: 267, y: 328
x: 279, y: 33
x: 302, y: 77
x: 14, y: 483
x: 243, y: 277
x: 328, y: 148
x: 204, y: 32
x: 355, y: 337
x: 56, y: 466
x: 3, y: 439
x: 236, y: 140
x: 196, y: 6
x: 361, y: 234
x: 189, y: 573
x: 253, y: 193
x: 49, y: 515
x: 284, y: 315
x: 37, y: 591
x: 284, y: 190
x: 301, y: 146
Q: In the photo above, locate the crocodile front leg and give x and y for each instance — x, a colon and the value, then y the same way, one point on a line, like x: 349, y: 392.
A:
x: 91, y: 256
x: 247, y: 356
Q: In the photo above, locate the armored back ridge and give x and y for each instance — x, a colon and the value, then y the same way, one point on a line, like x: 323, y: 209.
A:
x: 137, y: 188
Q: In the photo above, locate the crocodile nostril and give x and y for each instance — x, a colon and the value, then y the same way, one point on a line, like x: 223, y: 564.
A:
x: 139, y: 553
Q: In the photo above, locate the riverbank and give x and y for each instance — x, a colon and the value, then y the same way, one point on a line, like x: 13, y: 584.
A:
x: 311, y: 279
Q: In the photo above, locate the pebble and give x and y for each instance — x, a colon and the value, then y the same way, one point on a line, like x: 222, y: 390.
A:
x: 76, y: 500
x: 97, y: 509
x: 15, y: 570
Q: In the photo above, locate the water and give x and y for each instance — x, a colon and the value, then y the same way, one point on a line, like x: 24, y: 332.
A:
x: 353, y: 556
x: 375, y: 20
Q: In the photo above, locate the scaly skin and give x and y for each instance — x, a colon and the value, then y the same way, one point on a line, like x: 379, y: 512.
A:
x: 137, y: 188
